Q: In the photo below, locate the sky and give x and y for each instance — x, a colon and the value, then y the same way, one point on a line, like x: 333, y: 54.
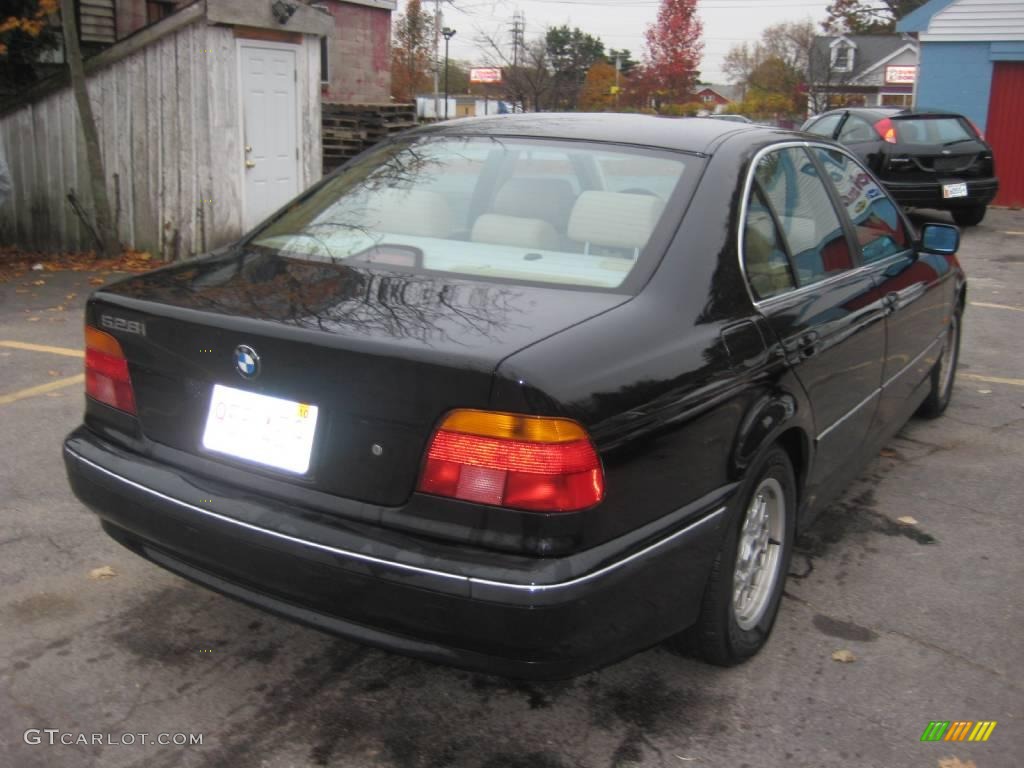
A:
x: 619, y: 23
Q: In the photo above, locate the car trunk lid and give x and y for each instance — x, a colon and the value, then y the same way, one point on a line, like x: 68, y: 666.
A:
x: 382, y: 355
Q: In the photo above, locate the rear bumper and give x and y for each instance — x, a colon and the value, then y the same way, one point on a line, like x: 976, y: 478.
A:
x: 506, y: 614
x: 928, y: 194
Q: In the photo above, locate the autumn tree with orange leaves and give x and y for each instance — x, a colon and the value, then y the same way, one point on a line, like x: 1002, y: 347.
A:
x: 25, y: 33
x: 674, y: 50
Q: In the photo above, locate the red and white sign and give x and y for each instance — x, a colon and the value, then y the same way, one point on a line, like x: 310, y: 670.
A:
x: 485, y: 75
x: 900, y: 74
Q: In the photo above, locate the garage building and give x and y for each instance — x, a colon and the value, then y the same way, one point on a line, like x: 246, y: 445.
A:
x: 972, y: 62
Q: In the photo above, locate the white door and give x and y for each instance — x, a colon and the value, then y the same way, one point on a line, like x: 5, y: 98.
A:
x: 270, y: 117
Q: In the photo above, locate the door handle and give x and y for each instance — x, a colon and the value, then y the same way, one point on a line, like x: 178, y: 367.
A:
x: 891, y: 300
x: 250, y: 164
x: 807, y: 344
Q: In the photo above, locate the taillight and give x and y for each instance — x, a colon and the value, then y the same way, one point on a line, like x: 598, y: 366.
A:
x: 106, y: 371
x: 522, y: 462
x: 886, y: 129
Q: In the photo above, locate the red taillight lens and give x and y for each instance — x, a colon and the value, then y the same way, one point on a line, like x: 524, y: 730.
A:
x: 106, y: 371
x: 886, y: 130
x: 521, y: 462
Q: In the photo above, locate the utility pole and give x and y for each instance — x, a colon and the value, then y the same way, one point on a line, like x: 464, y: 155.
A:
x: 108, y: 245
x: 518, y: 34
x: 437, y: 59
x: 448, y: 35
x: 618, y: 69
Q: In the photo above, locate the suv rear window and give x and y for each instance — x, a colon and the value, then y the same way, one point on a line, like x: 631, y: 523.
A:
x: 931, y: 130
x: 524, y: 210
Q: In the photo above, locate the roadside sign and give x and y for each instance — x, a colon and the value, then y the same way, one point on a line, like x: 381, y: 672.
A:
x: 485, y: 75
x: 896, y: 74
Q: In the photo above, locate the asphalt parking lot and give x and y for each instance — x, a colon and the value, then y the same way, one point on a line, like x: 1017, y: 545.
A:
x: 931, y: 611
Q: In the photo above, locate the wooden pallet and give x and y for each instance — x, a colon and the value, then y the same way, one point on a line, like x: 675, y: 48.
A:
x: 348, y: 129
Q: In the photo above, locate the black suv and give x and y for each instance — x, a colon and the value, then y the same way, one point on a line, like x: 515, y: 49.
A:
x: 925, y: 158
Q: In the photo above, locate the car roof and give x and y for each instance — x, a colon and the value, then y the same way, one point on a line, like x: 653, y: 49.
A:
x: 902, y: 112
x: 681, y: 134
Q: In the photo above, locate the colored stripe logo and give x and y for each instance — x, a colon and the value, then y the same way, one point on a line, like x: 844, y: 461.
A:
x: 958, y: 730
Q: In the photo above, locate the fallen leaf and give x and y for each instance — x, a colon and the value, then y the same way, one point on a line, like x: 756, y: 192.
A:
x: 70, y: 296
x: 906, y: 520
x: 843, y: 656
x: 955, y: 762
x: 889, y: 454
x: 37, y: 267
x: 103, y: 572
x: 984, y: 391
x: 96, y: 281
x: 33, y: 319
x: 54, y: 373
x: 21, y: 290
x: 38, y: 282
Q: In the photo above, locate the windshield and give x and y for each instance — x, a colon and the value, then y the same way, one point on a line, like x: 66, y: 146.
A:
x: 932, y: 130
x: 517, y: 209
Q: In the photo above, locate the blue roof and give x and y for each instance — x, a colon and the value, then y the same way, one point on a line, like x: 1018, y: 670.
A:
x: 918, y: 20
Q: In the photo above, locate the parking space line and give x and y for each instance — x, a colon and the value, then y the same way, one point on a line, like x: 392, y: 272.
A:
x: 42, y: 348
x: 996, y: 306
x: 42, y: 389
x: 992, y: 379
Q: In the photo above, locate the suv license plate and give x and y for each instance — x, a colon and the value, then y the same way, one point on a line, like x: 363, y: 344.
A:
x: 954, y: 190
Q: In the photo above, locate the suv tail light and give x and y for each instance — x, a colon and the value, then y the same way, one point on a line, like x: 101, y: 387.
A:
x: 106, y: 371
x: 520, y: 462
x: 887, y: 130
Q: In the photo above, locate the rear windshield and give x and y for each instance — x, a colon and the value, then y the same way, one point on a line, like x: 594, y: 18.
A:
x: 932, y: 130
x: 524, y: 210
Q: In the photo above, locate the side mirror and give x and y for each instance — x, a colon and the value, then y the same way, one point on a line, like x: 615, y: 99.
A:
x: 943, y: 239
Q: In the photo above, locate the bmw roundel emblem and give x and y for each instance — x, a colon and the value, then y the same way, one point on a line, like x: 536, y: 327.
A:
x: 247, y: 362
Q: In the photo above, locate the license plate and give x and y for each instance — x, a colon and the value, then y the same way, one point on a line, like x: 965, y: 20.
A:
x: 954, y: 190
x: 267, y: 430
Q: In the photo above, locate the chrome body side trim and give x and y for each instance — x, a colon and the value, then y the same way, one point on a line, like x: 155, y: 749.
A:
x: 913, y: 362
x: 468, y: 580
x: 848, y: 414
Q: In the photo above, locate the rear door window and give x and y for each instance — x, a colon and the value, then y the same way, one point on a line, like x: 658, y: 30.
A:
x: 811, y: 228
x: 826, y: 126
x: 857, y: 129
x: 880, y: 229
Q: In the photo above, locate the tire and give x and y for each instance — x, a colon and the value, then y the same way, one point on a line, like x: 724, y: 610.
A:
x: 969, y: 217
x: 944, y: 373
x: 735, y: 624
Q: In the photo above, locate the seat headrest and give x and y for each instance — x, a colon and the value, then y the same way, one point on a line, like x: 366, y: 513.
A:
x: 416, y: 212
x: 513, y: 230
x: 534, y: 198
x: 614, y: 219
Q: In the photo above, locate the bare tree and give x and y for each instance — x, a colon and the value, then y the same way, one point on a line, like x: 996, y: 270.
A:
x: 529, y: 83
x: 108, y: 244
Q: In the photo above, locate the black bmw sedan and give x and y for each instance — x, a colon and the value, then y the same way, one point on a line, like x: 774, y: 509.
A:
x: 925, y: 158
x: 524, y: 393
